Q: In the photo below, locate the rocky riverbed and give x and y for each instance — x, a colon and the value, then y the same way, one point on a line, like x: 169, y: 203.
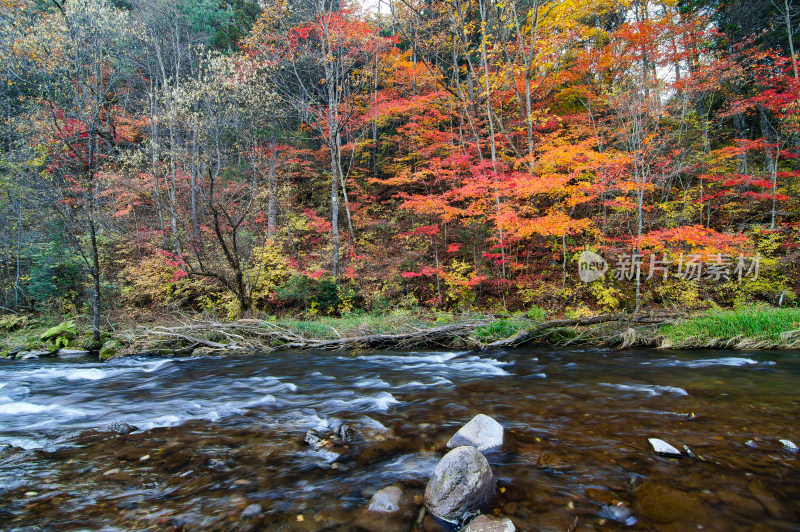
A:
x: 222, y: 443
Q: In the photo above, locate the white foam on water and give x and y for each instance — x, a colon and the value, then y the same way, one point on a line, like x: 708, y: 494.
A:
x: 154, y: 366
x: 25, y: 408
x: 706, y: 362
x: 25, y: 443
x: 268, y: 399
x: 273, y: 385
x: 375, y: 382
x: 430, y: 358
x: 369, y: 423
x: 468, y: 366
x: 412, y: 384
x: 90, y: 374
x: 650, y: 389
x: 379, y: 402
x: 169, y: 420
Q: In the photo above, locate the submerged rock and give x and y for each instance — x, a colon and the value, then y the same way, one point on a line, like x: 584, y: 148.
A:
x: 620, y: 514
x: 348, y: 434
x: 389, y: 510
x: 314, y: 438
x: 482, y: 432
x: 254, y: 510
x: 771, y: 499
x: 664, y: 504
x: 663, y: 448
x: 485, y: 523
x: 386, y: 500
x: 462, y: 480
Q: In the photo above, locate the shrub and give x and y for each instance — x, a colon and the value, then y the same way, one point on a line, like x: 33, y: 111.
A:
x: 61, y: 334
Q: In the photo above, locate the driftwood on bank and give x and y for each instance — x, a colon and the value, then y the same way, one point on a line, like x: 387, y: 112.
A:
x: 531, y: 333
x: 267, y: 336
x: 257, y: 335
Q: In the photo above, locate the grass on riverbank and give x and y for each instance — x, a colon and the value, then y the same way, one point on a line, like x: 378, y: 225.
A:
x: 331, y: 328
x: 744, y: 328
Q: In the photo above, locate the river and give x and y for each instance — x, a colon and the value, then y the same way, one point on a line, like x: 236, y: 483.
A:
x: 219, y: 434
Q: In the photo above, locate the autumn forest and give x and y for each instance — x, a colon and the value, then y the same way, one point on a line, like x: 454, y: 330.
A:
x: 314, y: 157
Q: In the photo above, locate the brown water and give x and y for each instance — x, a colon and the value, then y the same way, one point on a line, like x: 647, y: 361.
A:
x: 220, y: 434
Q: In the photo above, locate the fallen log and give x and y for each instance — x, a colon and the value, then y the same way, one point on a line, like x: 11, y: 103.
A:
x: 526, y: 335
x: 443, y: 335
x: 532, y: 333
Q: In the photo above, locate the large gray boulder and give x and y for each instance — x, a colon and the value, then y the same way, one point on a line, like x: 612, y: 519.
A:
x: 462, y: 481
x: 485, y: 523
x: 483, y: 433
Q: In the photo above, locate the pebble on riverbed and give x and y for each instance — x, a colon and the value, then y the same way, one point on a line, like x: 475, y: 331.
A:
x: 789, y: 446
x: 620, y: 514
x: 663, y: 448
x: 485, y: 523
x: 254, y: 510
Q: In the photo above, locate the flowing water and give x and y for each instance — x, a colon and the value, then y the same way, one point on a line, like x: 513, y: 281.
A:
x: 219, y: 434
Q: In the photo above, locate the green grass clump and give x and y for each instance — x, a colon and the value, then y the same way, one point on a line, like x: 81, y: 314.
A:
x: 331, y: 328
x: 762, y: 325
x: 499, y: 329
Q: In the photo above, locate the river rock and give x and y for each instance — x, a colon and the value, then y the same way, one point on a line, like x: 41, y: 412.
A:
x: 120, y: 427
x: 620, y: 514
x: 485, y: 523
x: 314, y: 438
x: 664, y: 504
x: 69, y: 353
x: 26, y: 355
x: 347, y: 434
x: 461, y: 481
x: 663, y: 448
x: 482, y: 432
x: 386, y: 500
x: 771, y: 499
x: 254, y: 510
x: 389, y: 510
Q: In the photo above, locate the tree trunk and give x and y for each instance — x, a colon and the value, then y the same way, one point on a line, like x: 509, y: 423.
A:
x: 334, y: 207
x: 272, y: 183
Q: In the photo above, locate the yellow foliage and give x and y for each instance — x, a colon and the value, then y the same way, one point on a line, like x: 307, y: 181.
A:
x: 270, y: 269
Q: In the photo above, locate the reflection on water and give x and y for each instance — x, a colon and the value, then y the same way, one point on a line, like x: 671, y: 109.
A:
x: 219, y: 434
